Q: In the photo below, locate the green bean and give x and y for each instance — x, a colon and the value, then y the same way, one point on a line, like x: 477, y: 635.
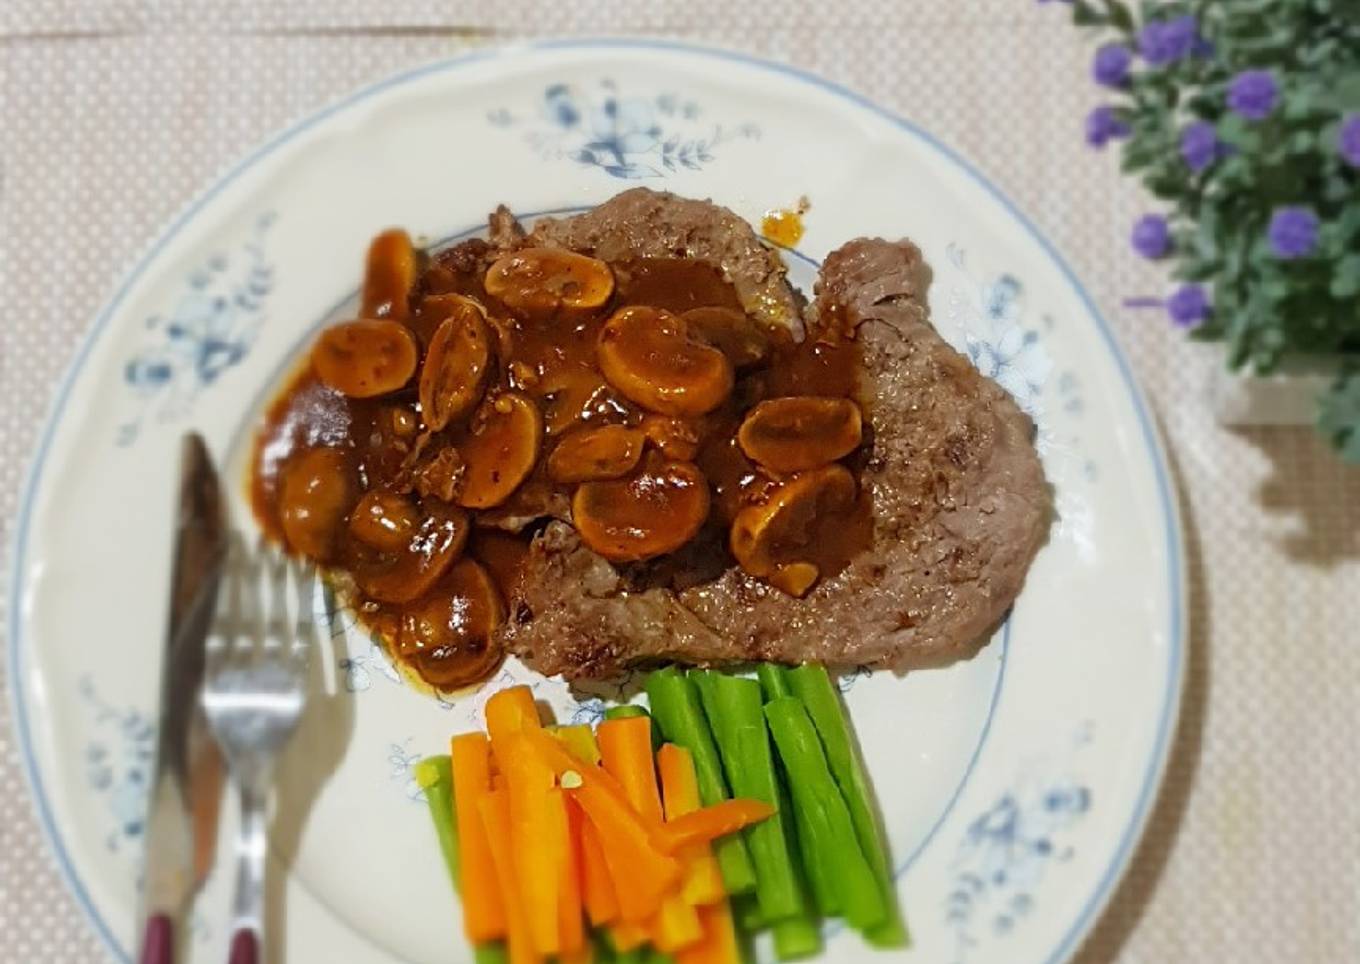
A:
x: 826, y: 832
x: 772, y: 681
x: 813, y: 687
x: 773, y: 685
x: 624, y: 712
x: 796, y: 938
x: 434, y: 775
x: 733, y: 706
x: 677, y: 713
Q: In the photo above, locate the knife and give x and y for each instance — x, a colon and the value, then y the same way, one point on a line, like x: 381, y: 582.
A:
x: 186, y: 787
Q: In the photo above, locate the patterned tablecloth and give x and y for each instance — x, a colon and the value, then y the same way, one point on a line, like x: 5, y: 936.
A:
x: 114, y: 112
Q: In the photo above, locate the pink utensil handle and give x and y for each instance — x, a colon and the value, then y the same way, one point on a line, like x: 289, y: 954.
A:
x: 245, y: 947
x: 158, y: 941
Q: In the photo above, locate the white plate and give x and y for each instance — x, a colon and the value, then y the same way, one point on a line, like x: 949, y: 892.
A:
x: 1014, y: 785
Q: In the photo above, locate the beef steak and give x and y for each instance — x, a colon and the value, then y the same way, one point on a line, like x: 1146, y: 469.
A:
x: 960, y: 504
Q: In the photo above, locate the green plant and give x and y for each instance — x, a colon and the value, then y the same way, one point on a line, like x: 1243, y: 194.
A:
x: 1243, y: 117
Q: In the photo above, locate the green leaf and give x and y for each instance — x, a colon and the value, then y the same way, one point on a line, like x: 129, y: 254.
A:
x: 1346, y: 278
x: 1085, y: 15
x: 1119, y: 15
x: 1339, y: 416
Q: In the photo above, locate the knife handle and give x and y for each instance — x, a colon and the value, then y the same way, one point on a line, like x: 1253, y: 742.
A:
x: 245, y: 947
x: 158, y: 940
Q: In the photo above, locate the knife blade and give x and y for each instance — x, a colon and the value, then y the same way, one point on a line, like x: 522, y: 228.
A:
x: 186, y: 787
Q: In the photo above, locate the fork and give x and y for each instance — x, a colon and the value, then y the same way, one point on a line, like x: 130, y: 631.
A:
x: 254, y: 692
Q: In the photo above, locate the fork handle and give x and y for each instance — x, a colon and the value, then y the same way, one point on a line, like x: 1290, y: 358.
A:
x: 245, y: 947
x: 248, y: 901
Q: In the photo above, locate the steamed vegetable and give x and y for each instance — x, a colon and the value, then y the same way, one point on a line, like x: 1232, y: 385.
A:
x: 675, y: 707
x: 494, y: 809
x: 604, y: 845
x: 626, y: 748
x: 435, y: 777
x: 826, y: 833
x: 733, y: 708
x: 680, y: 792
x: 483, y: 913
x: 812, y: 685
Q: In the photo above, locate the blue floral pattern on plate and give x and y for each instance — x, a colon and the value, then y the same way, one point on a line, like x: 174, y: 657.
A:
x: 1008, y: 850
x: 401, y: 762
x: 626, y: 135
x: 208, y: 331
x: 990, y: 313
x: 119, y: 759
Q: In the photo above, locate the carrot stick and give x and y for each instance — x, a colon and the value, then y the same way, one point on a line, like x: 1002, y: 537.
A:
x: 538, y: 838
x: 626, y: 750
x: 719, y: 943
x: 509, y: 711
x: 494, y: 809
x: 676, y: 925
x: 702, y: 883
x: 602, y: 905
x: 641, y: 872
x: 483, y: 915
x: 566, y: 854
x: 713, y: 822
x: 597, y: 889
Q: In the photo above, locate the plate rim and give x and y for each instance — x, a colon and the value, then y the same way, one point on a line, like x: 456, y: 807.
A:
x: 1177, y: 643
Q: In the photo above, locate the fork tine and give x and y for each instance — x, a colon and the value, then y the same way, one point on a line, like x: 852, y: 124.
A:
x: 304, y: 585
x: 226, y: 614
x: 274, y: 568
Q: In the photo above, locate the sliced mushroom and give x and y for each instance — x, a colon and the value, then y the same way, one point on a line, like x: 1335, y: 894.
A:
x: 800, y: 432
x: 674, y: 437
x: 448, y: 636
x: 435, y: 308
x: 540, y: 282
x: 775, y: 539
x: 651, y: 512
x: 390, y: 272
x: 605, y: 452
x: 500, y: 450
x: 731, y: 332
x: 316, y: 490
x: 409, y: 572
x: 573, y: 394
x: 457, y: 365
x: 649, y: 356
x: 363, y: 359
x: 384, y: 520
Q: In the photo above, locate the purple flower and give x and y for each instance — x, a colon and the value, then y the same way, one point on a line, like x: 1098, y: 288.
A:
x: 1349, y: 140
x: 1293, y: 233
x: 1151, y: 236
x: 1199, y: 145
x: 1103, y: 126
x: 1253, y: 94
x: 1111, y: 66
x: 1165, y: 41
x: 1188, y: 305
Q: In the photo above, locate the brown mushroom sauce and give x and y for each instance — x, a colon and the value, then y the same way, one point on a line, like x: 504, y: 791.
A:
x: 416, y: 453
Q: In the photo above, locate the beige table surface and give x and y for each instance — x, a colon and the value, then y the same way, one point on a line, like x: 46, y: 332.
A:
x: 113, y: 113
